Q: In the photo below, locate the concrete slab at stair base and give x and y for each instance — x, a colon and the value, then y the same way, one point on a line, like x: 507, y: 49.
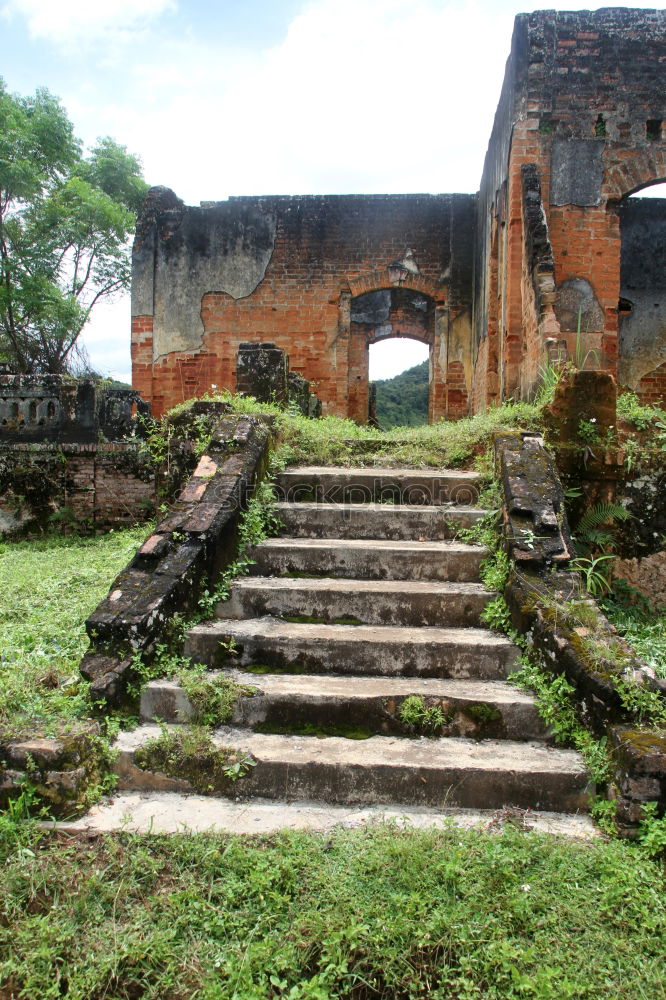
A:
x: 167, y: 812
x: 391, y: 522
x: 477, y: 709
x: 382, y: 770
x: 346, y: 649
x: 371, y: 559
x: 372, y: 602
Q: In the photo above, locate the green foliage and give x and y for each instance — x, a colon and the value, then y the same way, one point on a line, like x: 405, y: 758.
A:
x: 558, y: 707
x: 421, y: 717
x: 594, y: 572
x: 334, y: 441
x: 604, y: 813
x: 640, y: 624
x: 632, y: 411
x: 379, y: 912
x: 213, y: 697
x: 65, y: 220
x: 189, y: 752
x: 652, y: 831
x: 403, y: 401
x: 48, y: 586
x: 591, y: 531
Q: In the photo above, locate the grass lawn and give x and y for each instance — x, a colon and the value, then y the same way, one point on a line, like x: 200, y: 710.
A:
x: 373, y: 913
x: 48, y: 586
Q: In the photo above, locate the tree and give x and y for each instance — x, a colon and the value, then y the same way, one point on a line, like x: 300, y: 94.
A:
x: 65, y: 223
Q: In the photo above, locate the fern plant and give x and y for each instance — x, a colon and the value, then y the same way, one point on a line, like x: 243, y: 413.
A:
x: 595, y: 533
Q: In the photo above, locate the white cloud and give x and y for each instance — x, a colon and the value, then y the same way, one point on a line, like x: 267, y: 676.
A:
x: 66, y: 20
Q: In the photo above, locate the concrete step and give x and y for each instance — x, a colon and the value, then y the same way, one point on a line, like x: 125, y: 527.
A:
x: 391, y: 522
x: 344, y: 649
x: 347, y: 602
x: 404, y: 486
x: 369, y: 559
x: 487, y: 774
x: 168, y: 812
x: 356, y: 706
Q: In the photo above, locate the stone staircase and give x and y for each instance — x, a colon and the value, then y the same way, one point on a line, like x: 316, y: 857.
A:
x: 358, y: 606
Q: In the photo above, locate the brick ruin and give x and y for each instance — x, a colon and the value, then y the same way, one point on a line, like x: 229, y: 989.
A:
x: 69, y: 454
x: 494, y: 282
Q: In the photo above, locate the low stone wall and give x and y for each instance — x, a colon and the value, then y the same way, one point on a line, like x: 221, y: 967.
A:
x: 183, y: 556
x: 538, y: 540
x: 88, y: 486
x: 60, y: 769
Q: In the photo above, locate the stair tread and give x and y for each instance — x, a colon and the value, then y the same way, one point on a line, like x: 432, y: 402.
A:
x: 350, y: 585
x: 169, y: 812
x: 439, y: 510
x: 268, y: 626
x: 361, y: 686
x: 399, y: 472
x: 373, y: 544
x: 450, y: 753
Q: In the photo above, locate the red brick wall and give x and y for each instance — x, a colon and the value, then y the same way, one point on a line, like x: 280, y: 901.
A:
x: 652, y: 387
x: 325, y: 250
x: 105, y: 485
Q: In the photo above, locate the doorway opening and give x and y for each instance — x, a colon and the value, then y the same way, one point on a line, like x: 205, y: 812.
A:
x: 392, y: 335
x: 642, y: 304
x: 399, y: 372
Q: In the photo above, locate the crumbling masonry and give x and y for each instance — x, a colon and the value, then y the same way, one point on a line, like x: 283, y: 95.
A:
x: 548, y: 253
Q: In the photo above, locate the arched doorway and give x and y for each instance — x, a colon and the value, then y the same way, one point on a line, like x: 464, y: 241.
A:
x: 642, y: 303
x: 377, y: 316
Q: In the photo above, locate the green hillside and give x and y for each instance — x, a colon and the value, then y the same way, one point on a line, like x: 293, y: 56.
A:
x: 403, y: 401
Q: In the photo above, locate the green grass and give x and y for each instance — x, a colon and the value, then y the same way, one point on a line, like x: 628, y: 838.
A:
x: 48, y: 586
x: 337, y: 441
x: 359, y: 914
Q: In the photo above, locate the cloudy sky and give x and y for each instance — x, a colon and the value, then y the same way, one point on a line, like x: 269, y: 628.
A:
x: 254, y: 97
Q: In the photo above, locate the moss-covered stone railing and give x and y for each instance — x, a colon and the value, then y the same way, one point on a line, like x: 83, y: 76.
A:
x: 550, y: 609
x: 181, y: 558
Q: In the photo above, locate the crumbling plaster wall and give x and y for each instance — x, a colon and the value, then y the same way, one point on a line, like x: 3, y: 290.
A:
x: 284, y: 269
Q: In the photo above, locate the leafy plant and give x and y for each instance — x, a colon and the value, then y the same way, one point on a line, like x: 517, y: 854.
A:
x: 596, y: 580
x: 213, y: 698
x: 415, y: 713
x: 652, y: 831
x: 591, y: 533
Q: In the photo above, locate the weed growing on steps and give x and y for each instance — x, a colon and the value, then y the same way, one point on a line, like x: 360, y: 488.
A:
x: 213, y: 697
x: 336, y: 441
x: 188, y: 752
x: 421, y: 717
x: 258, y: 522
x: 558, y: 708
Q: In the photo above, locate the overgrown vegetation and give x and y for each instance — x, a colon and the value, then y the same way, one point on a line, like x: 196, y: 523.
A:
x: 48, y: 586
x: 336, y: 441
x: 189, y: 752
x: 381, y: 913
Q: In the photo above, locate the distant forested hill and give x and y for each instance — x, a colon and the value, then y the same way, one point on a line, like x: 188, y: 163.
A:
x: 403, y: 400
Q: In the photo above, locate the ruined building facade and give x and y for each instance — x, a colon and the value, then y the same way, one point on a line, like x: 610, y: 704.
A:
x: 549, y: 259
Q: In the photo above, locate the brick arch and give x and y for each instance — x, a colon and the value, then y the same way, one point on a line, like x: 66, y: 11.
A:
x: 374, y: 281
x: 640, y: 169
